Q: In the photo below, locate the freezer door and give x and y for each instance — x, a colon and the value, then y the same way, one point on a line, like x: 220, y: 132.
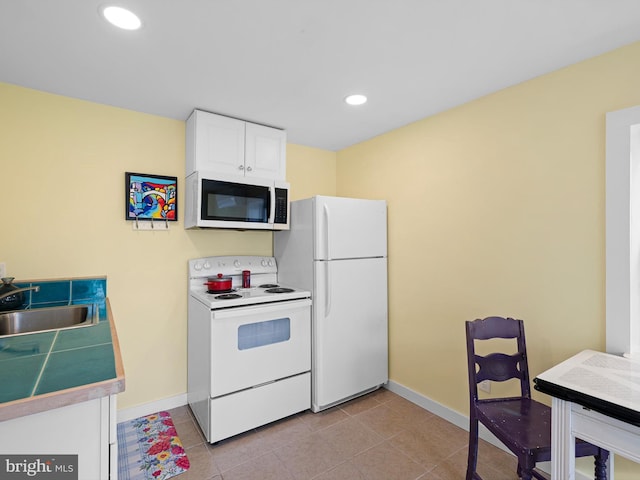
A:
x: 350, y: 353
x: 349, y: 228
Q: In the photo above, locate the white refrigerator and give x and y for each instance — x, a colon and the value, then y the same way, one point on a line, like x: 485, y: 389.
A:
x: 337, y: 249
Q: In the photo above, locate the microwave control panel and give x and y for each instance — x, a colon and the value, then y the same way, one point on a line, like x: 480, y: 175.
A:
x: 281, y: 206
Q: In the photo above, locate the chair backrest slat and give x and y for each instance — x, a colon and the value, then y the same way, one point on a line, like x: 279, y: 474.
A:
x: 497, y: 366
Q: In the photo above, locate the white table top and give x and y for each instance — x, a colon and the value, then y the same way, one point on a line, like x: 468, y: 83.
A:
x: 596, y: 380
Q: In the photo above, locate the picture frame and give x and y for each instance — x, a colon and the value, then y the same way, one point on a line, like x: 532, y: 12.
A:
x: 151, y: 197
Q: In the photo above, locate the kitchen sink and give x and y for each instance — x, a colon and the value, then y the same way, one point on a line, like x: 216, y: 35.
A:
x: 17, y: 322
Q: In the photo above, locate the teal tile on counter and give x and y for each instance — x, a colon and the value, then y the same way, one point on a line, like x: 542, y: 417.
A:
x: 83, y: 336
x: 94, y: 288
x: 102, y: 310
x: 52, y: 292
x: 24, y: 345
x: 48, y: 304
x: 18, y: 377
x: 80, y: 366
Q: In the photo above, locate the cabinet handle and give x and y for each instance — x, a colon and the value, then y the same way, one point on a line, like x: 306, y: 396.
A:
x: 248, y: 169
x: 240, y: 167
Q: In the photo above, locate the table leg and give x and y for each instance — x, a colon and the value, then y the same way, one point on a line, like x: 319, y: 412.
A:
x: 563, y: 443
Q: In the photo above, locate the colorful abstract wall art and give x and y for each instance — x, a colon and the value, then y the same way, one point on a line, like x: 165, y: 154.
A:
x: 151, y: 197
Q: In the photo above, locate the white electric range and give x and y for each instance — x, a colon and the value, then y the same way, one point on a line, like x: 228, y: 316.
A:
x: 249, y: 349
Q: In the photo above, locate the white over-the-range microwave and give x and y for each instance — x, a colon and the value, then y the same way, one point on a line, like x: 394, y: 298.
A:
x: 242, y: 203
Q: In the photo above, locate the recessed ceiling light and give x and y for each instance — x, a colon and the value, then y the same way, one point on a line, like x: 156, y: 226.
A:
x: 121, y: 17
x: 356, y: 99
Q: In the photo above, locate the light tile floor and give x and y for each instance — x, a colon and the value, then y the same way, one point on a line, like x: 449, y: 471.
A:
x: 380, y: 436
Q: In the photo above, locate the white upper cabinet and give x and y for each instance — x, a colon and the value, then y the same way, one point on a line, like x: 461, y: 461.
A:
x: 214, y: 142
x: 265, y: 152
x: 219, y: 144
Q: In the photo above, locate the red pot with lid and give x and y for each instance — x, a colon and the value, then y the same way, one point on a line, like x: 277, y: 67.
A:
x: 219, y: 283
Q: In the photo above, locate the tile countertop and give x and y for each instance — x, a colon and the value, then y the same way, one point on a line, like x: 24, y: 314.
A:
x: 43, y: 371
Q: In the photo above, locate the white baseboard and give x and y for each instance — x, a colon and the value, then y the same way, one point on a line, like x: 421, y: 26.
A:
x: 152, y: 407
x: 458, y: 420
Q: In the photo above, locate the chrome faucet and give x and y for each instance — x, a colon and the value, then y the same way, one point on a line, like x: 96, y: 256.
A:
x: 18, y: 290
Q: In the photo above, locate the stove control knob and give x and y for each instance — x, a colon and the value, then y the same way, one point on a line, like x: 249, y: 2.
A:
x: 207, y: 265
x: 236, y: 264
x: 270, y: 262
x: 263, y: 262
x: 197, y: 267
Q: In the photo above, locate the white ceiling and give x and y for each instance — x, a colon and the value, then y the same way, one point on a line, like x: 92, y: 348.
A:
x: 290, y: 63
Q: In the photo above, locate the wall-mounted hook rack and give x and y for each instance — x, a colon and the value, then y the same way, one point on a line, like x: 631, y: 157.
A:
x: 151, y: 225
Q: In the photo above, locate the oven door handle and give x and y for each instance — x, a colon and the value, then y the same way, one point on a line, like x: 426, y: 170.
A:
x: 243, y: 311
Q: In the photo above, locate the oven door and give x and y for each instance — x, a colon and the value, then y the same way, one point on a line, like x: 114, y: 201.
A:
x: 259, y: 344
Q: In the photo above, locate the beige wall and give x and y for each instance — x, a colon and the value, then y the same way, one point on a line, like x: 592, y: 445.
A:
x: 310, y: 171
x: 62, y: 185
x: 497, y: 208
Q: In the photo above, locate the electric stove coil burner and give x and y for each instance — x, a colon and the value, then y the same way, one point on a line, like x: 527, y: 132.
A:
x: 279, y: 290
x: 269, y: 285
x: 228, y: 296
x: 216, y: 292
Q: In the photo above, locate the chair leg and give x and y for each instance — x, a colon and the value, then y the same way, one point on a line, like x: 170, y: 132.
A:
x: 601, y: 464
x: 525, y: 468
x: 525, y: 475
x: 539, y: 476
x: 472, y: 458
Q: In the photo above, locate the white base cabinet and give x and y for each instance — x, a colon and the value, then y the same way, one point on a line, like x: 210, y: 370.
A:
x: 86, y: 429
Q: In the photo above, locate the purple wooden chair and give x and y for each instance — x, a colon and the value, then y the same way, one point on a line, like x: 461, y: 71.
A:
x: 523, y: 425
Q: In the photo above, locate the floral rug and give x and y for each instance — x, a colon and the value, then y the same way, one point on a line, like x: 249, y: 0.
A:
x: 149, y: 449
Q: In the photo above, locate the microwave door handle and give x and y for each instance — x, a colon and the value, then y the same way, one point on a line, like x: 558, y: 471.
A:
x: 272, y: 206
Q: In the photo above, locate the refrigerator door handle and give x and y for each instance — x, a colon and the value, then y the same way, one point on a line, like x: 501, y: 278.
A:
x: 327, y: 289
x: 325, y: 211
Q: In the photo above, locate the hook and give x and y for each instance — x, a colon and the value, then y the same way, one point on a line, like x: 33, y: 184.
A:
x: 152, y: 227
x: 137, y: 226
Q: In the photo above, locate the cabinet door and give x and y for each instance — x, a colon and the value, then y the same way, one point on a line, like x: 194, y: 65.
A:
x: 81, y: 429
x: 219, y: 144
x: 265, y: 152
